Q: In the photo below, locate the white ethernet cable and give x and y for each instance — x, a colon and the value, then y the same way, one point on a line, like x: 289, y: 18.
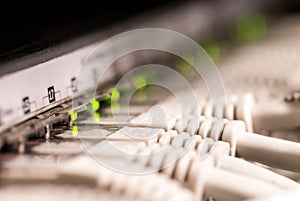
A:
x: 267, y: 150
x: 200, y: 176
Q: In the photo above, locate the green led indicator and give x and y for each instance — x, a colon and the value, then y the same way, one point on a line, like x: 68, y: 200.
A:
x: 95, y: 104
x: 213, y: 48
x: 75, y: 131
x: 249, y: 28
x: 73, y: 115
x: 139, y: 82
x: 96, y: 116
x: 115, y: 94
x: 186, y: 64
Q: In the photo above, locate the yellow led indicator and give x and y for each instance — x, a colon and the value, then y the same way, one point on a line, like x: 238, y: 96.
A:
x: 95, y: 104
x: 139, y: 82
x: 75, y: 131
x: 115, y: 94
